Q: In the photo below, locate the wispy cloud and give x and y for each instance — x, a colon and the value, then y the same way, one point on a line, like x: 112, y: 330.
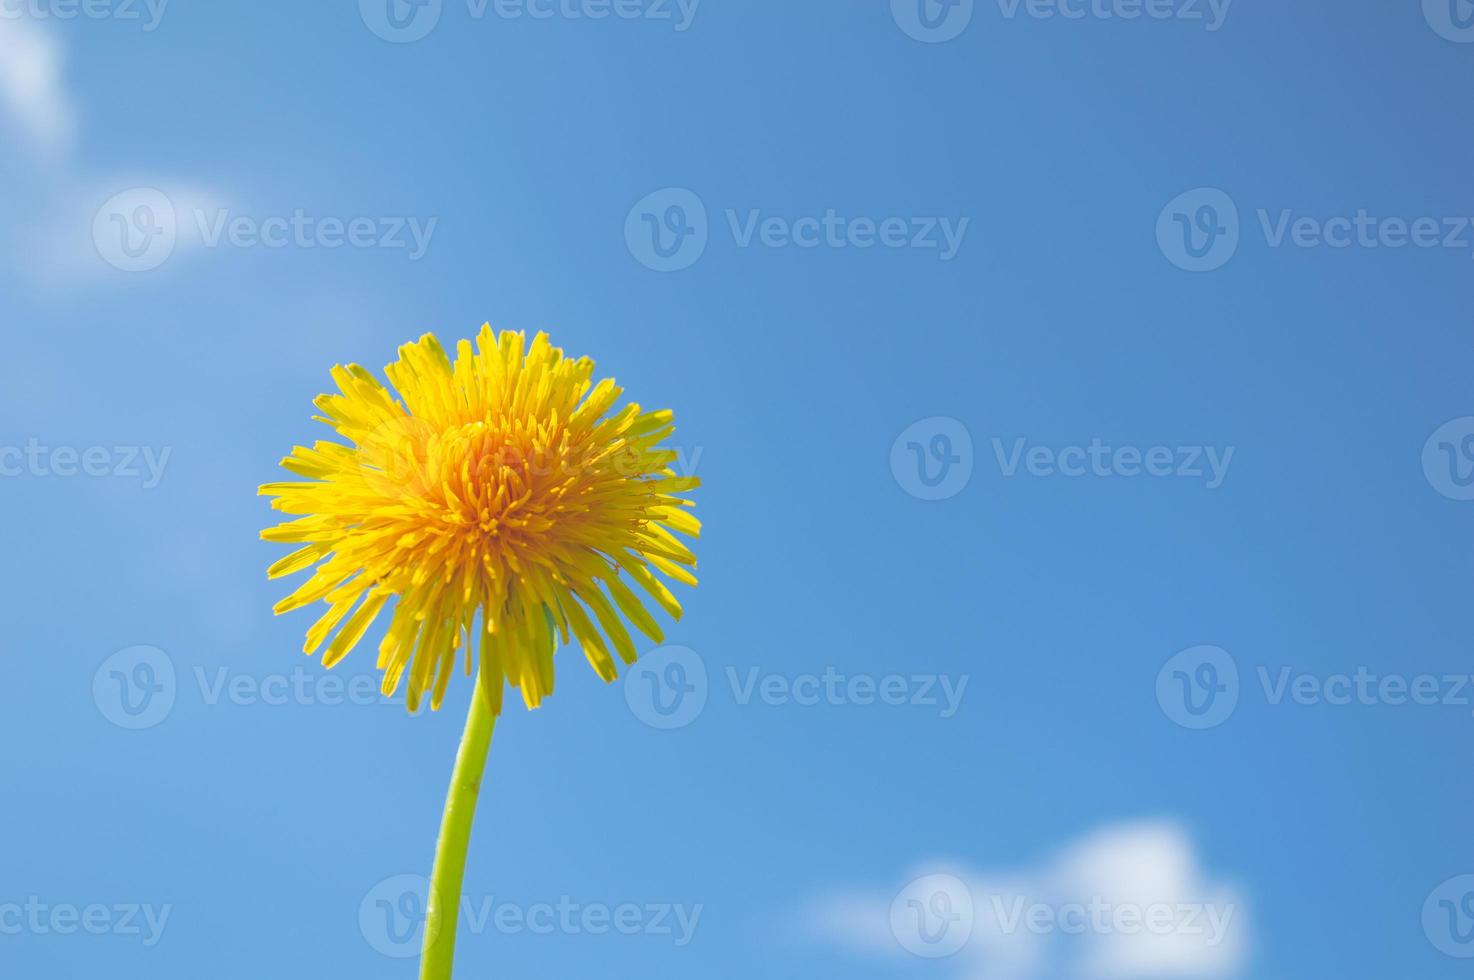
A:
x: 1123, y: 902
x: 31, y: 89
x: 64, y: 224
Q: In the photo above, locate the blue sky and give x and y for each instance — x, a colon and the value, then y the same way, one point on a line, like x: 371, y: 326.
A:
x: 1082, y: 409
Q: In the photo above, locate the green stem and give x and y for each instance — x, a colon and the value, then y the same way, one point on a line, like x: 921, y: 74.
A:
x: 443, y: 908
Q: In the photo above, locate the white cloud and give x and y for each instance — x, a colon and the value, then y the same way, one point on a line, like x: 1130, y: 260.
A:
x: 79, y: 236
x: 30, y: 84
x: 62, y: 225
x: 1124, y: 902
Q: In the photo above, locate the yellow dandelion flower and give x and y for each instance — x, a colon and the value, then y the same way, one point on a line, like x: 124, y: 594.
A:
x: 498, y: 505
x: 501, y: 505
